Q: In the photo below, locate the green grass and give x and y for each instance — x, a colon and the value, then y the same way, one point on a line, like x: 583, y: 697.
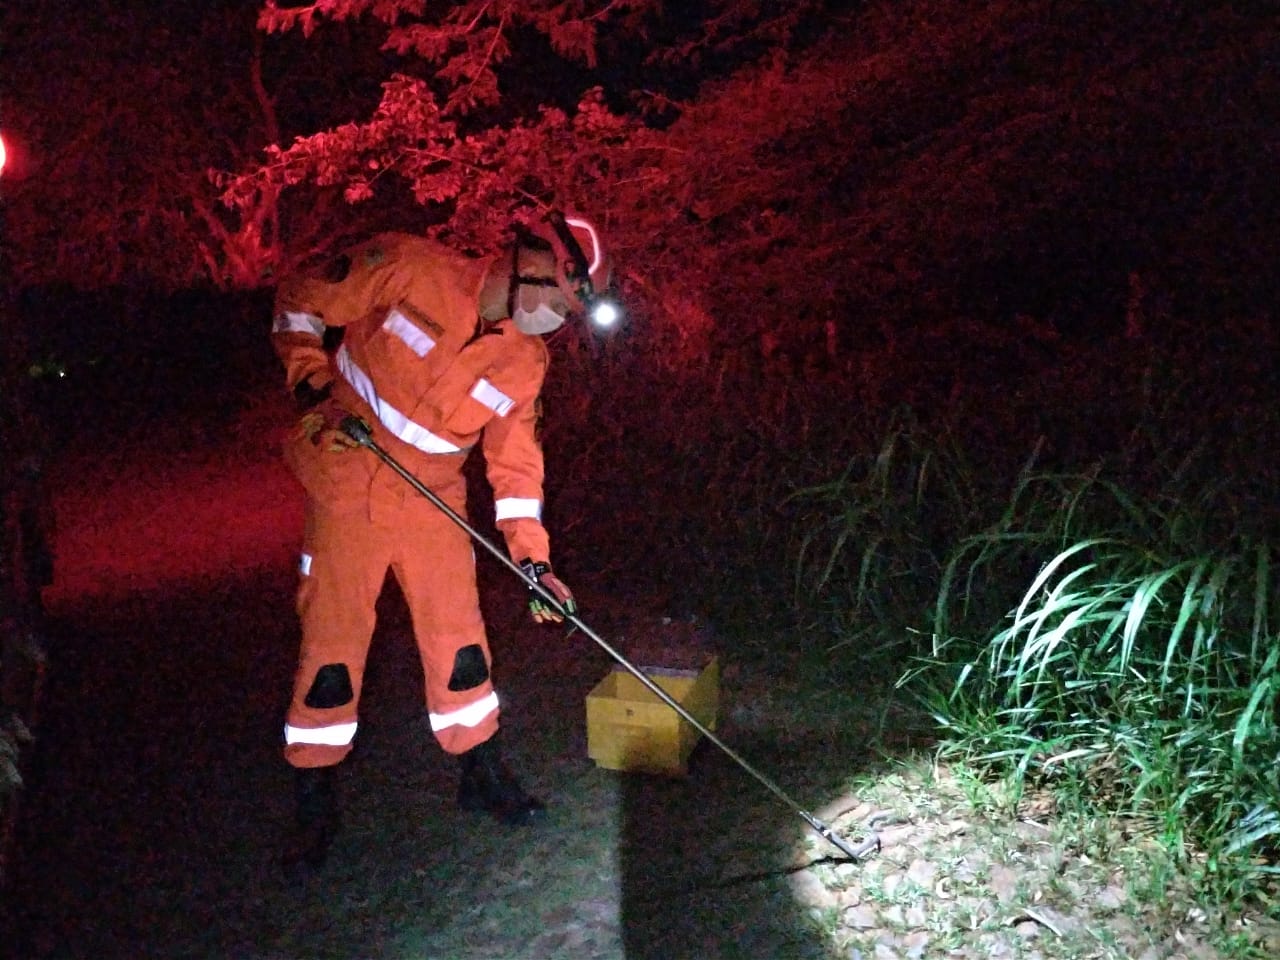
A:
x: 1137, y: 672
x: 1107, y: 635
x: 868, y: 547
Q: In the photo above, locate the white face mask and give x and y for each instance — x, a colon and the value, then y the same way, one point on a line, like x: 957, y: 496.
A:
x: 541, y: 320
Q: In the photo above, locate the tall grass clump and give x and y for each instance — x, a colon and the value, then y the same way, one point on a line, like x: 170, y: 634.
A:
x: 1139, y: 669
x: 868, y: 548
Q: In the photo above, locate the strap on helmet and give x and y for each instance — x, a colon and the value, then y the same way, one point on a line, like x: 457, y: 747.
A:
x: 581, y: 276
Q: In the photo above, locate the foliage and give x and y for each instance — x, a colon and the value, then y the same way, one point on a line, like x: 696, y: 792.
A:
x: 115, y: 118
x: 1138, y: 670
x: 1092, y: 573
x: 102, y: 126
x: 700, y: 523
x: 812, y: 181
x: 472, y: 129
x: 845, y: 181
x: 467, y: 42
x: 868, y: 547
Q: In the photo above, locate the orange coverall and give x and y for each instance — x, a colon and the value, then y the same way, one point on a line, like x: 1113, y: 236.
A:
x: 432, y: 380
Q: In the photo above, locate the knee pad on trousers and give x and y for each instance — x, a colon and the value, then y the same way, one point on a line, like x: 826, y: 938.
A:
x: 469, y: 668
x: 330, y: 688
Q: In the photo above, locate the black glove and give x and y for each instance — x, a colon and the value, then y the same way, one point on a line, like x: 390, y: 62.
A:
x: 541, y: 574
x: 305, y: 396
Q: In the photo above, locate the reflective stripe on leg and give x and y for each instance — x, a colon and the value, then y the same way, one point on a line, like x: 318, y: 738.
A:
x: 334, y: 735
x: 472, y: 715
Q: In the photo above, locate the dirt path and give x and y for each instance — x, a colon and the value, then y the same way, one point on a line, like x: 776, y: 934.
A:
x: 159, y: 794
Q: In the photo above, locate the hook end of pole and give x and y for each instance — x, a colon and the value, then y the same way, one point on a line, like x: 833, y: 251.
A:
x: 855, y: 853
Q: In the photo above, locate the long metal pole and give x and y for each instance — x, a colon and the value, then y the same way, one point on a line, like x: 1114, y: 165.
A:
x: 359, y: 431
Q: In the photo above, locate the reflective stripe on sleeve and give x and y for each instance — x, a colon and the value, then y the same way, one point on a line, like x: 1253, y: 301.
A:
x: 493, y: 398
x: 295, y: 321
x: 304, y: 565
x: 412, y: 335
x: 471, y: 715
x: 414, y: 434
x: 517, y: 508
x: 336, y: 735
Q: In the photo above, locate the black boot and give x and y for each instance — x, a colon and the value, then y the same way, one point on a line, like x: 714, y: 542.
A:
x: 316, y: 818
x: 487, y: 785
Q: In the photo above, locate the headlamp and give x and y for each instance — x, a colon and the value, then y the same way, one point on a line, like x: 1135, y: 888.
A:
x: 605, y: 311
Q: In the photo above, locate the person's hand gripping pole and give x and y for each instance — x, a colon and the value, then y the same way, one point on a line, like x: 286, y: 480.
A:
x: 542, y: 611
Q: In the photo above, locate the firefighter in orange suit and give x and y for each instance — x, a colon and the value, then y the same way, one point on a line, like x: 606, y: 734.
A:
x: 439, y: 352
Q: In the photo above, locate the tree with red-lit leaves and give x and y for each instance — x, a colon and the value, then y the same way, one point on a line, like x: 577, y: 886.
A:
x: 812, y: 178
x: 826, y: 182
x: 513, y: 108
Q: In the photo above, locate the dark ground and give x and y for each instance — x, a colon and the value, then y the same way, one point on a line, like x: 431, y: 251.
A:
x: 158, y: 794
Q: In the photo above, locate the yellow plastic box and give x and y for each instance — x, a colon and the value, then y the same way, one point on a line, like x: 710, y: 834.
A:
x: 630, y: 728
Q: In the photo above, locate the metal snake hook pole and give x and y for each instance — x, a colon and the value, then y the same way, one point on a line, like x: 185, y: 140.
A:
x: 359, y: 431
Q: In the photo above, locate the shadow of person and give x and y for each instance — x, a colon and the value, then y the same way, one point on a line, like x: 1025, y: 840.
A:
x: 707, y: 861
